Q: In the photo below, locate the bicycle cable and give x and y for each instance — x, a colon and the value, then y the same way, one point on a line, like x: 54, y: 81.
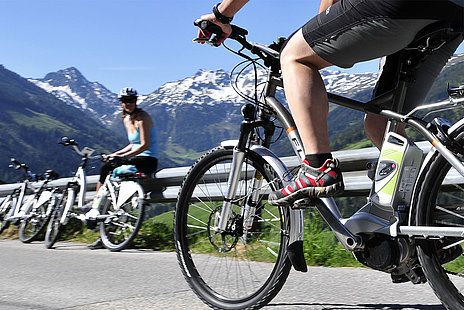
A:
x: 234, y: 81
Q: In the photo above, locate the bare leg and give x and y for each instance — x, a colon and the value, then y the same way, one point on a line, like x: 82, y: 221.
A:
x: 306, y: 94
x: 99, y: 184
x: 375, y: 128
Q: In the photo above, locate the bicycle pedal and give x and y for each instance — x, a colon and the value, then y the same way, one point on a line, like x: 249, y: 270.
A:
x: 303, y: 203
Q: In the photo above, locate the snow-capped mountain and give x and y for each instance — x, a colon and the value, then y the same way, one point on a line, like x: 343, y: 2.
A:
x: 213, y: 87
x: 71, y: 87
x: 199, y: 111
x: 195, y: 113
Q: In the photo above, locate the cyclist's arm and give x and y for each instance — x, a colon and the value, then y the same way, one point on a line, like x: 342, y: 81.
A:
x: 230, y: 7
x: 227, y: 8
x: 126, y: 149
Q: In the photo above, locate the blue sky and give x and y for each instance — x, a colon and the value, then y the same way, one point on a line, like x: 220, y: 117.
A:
x: 138, y: 43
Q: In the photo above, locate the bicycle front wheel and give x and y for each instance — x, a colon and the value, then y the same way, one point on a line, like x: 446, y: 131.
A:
x: 35, y: 222
x: 123, y: 223
x: 245, y: 266
x: 55, y: 227
x: 441, y: 203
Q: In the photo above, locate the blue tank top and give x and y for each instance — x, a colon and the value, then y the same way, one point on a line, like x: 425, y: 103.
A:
x: 134, y: 138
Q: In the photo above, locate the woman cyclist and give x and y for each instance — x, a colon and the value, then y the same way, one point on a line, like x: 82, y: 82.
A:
x: 142, y: 150
x: 343, y: 33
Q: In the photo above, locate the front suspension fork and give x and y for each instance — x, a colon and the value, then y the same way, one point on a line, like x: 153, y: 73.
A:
x: 234, y: 178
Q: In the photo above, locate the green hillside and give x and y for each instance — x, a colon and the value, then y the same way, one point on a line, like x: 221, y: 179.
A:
x: 32, y: 123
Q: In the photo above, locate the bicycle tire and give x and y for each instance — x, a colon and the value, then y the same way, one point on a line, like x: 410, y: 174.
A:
x: 35, y: 222
x: 118, y: 231
x: 4, y: 211
x: 440, y: 203
x: 259, y: 256
x: 54, y: 227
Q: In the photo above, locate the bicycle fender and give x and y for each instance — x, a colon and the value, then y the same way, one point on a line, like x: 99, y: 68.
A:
x: 126, y: 190
x: 424, y: 168
x: 82, y: 181
x: 272, y: 159
x: 296, y: 233
x: 67, y: 207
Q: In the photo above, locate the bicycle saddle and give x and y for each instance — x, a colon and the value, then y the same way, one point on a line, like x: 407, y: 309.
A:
x: 434, y: 35
x: 51, y: 175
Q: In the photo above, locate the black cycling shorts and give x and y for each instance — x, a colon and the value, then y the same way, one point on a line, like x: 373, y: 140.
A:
x: 352, y: 31
x: 144, y: 164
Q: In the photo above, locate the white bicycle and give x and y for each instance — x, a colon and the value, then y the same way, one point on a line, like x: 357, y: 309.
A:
x: 30, y: 205
x: 120, y: 202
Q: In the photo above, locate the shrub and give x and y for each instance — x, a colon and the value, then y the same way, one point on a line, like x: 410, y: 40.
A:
x: 154, y: 235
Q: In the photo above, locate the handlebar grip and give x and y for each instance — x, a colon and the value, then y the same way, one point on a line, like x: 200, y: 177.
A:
x: 206, y: 25
x: 66, y: 141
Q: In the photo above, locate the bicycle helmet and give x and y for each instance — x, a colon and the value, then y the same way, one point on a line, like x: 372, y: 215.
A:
x: 127, y: 92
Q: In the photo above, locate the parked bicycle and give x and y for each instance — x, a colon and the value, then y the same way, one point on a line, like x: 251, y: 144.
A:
x: 120, y: 203
x: 37, y: 215
x: 236, y: 250
x: 29, y: 206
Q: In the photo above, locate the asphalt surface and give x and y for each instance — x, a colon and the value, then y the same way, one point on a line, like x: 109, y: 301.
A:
x: 74, y: 277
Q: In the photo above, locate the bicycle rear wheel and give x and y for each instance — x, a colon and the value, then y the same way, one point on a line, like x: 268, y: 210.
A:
x: 35, y: 222
x: 55, y: 228
x: 121, y: 227
x: 242, y: 267
x: 441, y: 203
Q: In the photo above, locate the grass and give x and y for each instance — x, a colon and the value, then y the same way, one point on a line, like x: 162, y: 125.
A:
x: 180, y: 155
x: 40, y: 121
x: 359, y: 145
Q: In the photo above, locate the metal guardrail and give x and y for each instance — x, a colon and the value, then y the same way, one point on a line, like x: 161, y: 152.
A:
x: 168, y: 181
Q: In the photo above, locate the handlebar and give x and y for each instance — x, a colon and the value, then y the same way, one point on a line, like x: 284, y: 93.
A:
x: 269, y: 54
x: 85, y: 152
x: 67, y: 142
x: 29, y: 175
x: 117, y: 160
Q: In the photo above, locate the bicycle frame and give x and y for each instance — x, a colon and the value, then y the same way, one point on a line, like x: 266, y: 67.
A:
x: 344, y: 229
x: 78, y: 184
x: 126, y: 189
x: 18, y: 197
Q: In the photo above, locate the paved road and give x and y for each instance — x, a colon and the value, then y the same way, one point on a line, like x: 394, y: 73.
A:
x: 73, y: 277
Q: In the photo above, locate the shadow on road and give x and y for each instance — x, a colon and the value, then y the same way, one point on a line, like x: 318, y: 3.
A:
x: 358, y: 306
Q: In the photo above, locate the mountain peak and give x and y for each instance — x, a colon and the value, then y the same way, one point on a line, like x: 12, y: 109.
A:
x: 71, y: 87
x: 65, y: 77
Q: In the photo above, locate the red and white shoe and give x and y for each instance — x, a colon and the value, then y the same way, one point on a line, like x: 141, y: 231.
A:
x: 325, y: 181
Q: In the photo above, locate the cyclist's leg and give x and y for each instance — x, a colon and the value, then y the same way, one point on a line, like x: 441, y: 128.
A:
x: 305, y: 93
x: 425, y: 75
x: 423, y: 78
x: 343, y: 35
x: 104, y: 171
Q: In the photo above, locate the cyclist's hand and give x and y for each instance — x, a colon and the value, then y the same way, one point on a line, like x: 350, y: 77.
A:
x: 204, y: 36
x: 109, y: 157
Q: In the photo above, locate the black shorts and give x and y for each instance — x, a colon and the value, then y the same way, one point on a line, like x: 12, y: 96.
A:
x: 144, y: 164
x: 352, y: 31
